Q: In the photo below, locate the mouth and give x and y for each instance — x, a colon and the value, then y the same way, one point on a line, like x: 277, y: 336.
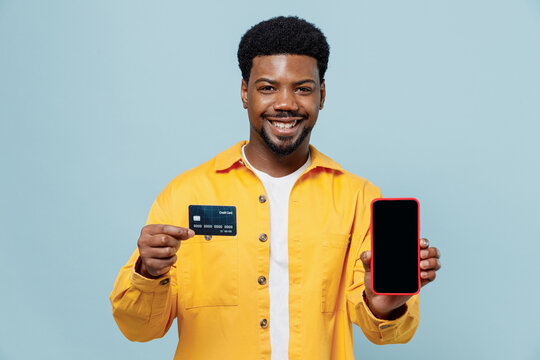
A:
x: 284, y: 125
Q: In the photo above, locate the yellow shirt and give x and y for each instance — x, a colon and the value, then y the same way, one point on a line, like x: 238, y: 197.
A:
x: 214, y: 291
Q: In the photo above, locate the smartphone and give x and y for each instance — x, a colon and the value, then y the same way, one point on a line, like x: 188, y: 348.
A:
x: 395, y: 246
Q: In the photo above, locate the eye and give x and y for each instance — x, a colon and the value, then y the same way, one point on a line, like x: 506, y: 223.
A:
x: 304, y: 89
x: 266, y: 88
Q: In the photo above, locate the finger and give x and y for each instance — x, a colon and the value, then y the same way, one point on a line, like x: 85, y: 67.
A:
x: 158, y: 252
x: 431, y: 252
x: 427, y: 276
x: 430, y: 264
x: 366, y: 260
x: 162, y: 240
x: 156, y: 266
x: 158, y: 272
x: 424, y: 243
x: 176, y: 231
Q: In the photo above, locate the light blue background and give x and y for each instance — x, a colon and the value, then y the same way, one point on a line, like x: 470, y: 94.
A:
x: 102, y: 103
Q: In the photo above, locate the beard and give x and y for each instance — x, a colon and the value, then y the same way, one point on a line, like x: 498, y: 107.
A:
x: 287, y: 145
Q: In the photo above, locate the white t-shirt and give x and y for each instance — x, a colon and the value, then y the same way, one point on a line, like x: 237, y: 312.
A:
x: 278, y: 190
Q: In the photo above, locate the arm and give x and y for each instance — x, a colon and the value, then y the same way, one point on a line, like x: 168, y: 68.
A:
x: 385, y: 327
x: 384, y: 319
x: 144, y: 308
x: 392, y: 327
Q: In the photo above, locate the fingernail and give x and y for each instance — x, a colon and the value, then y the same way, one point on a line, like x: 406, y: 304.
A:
x: 423, y: 254
x: 423, y: 274
x: 191, y: 233
x: 424, y: 263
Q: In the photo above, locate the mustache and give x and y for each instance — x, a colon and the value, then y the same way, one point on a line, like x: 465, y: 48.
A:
x: 285, y: 114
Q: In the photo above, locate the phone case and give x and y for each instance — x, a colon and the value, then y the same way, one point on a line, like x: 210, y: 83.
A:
x: 417, y: 242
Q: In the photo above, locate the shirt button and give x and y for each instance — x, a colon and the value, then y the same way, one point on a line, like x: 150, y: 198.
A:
x: 264, y: 323
x: 263, y: 237
x: 164, y: 281
x: 262, y: 198
x: 384, y: 326
x: 261, y: 280
x: 207, y: 237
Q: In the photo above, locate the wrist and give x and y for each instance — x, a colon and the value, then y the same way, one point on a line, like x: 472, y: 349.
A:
x: 141, y: 270
x: 385, y: 315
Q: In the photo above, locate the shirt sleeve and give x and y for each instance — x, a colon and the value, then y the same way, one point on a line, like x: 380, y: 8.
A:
x: 144, y: 309
x: 378, y: 331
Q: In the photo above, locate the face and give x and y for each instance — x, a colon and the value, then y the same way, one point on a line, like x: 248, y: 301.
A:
x: 283, y: 99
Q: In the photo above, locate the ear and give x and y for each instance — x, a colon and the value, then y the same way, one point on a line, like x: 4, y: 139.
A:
x: 244, y: 93
x: 323, y: 94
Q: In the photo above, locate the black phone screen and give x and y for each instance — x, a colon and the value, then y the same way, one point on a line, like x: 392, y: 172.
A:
x: 395, y: 251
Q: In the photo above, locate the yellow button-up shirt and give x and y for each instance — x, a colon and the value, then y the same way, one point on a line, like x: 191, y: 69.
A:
x: 213, y: 290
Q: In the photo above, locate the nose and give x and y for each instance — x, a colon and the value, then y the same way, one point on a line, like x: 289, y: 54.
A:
x: 286, y: 101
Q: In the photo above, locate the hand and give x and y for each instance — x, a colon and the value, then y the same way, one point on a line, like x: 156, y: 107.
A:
x: 390, y: 306
x: 158, y: 245
x: 429, y: 262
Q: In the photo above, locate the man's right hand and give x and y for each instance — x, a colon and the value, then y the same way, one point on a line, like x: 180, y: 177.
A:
x: 158, y: 245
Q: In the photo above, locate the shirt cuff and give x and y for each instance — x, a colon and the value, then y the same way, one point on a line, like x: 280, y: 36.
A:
x: 386, y: 328
x: 145, y: 284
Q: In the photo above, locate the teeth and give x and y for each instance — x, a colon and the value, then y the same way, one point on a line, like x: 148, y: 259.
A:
x: 282, y: 125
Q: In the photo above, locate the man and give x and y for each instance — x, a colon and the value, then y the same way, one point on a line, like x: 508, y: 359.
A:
x: 297, y: 273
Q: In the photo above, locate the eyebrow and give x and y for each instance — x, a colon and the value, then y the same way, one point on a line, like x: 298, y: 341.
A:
x: 296, y: 83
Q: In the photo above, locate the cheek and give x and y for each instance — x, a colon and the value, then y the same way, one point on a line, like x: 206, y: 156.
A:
x: 255, y: 109
x: 312, y: 107
x: 258, y: 104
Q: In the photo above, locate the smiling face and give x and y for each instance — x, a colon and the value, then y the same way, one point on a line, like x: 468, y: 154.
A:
x: 283, y: 99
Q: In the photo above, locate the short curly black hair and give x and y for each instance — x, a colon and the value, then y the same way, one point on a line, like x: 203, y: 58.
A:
x: 283, y: 35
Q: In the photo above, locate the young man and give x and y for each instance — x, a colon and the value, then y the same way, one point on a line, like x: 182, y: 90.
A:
x: 297, y: 273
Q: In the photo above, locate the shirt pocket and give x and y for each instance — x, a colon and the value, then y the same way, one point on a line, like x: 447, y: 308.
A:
x: 334, y: 250
x: 210, y: 271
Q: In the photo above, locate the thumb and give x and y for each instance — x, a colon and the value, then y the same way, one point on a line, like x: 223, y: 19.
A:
x: 366, y: 260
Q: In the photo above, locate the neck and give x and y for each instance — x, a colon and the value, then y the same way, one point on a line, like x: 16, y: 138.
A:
x: 265, y: 160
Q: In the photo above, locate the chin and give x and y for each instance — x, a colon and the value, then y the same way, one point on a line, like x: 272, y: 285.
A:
x: 284, y: 146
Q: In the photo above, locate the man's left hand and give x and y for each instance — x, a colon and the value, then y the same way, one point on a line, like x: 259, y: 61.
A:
x: 392, y: 306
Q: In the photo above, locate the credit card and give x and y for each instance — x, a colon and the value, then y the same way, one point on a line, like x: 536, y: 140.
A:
x: 212, y: 220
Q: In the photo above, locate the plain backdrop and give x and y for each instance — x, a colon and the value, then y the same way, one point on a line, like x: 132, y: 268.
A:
x: 102, y: 103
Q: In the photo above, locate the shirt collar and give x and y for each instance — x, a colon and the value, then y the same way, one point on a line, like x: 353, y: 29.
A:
x: 233, y: 156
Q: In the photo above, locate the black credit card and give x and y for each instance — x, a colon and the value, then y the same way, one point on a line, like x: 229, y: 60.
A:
x: 212, y: 220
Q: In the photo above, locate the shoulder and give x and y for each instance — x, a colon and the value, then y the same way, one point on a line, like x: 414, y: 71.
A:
x: 206, y: 171
x: 359, y: 182
x: 191, y: 178
x: 344, y: 178
x: 361, y: 185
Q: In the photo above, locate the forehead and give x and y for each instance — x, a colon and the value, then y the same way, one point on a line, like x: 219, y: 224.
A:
x: 284, y: 67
